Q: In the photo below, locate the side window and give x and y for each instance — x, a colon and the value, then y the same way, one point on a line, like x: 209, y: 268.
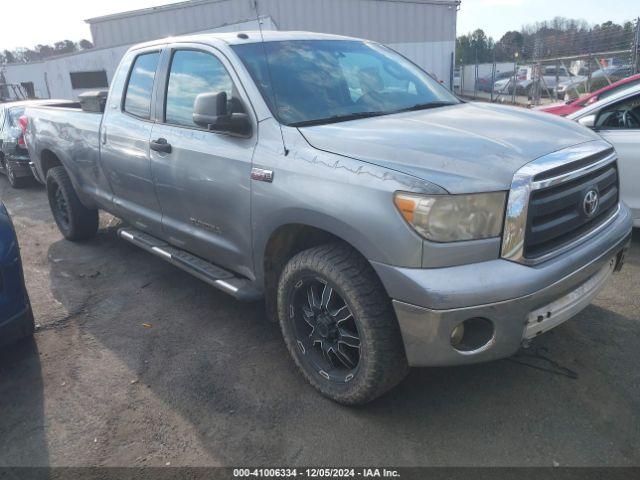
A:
x: 192, y: 73
x: 137, y: 100
x: 624, y: 115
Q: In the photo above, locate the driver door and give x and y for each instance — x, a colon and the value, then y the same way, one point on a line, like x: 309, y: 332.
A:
x: 619, y: 124
x: 203, y: 179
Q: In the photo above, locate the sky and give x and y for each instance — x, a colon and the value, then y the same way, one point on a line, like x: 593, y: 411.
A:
x: 47, y: 21
x: 496, y: 17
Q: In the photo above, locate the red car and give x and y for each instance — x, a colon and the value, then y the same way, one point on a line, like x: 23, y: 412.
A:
x: 564, y: 109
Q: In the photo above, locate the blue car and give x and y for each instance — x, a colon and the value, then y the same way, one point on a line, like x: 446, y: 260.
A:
x: 16, y: 317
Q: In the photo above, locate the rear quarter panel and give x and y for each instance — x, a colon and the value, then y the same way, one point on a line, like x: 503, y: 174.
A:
x: 73, y: 136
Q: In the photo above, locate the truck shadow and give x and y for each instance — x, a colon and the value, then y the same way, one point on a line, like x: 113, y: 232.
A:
x: 196, y: 354
x: 23, y: 439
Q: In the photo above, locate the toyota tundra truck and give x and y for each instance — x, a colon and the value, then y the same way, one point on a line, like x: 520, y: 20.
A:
x: 386, y: 223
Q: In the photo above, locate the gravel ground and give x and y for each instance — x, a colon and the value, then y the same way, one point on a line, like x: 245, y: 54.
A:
x: 136, y: 363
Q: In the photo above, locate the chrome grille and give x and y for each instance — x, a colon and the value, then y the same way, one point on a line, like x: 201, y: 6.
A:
x: 546, y: 213
x: 557, y: 215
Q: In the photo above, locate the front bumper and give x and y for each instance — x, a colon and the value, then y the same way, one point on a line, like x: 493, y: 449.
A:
x: 511, y: 296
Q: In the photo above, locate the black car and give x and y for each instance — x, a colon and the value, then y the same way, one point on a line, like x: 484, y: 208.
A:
x: 14, y: 158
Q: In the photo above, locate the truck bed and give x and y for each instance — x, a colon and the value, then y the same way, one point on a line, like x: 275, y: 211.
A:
x: 68, y: 134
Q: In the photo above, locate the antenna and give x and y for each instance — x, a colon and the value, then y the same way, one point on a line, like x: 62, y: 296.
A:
x: 273, y: 90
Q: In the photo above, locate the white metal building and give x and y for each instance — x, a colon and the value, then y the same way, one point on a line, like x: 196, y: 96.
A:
x: 423, y: 30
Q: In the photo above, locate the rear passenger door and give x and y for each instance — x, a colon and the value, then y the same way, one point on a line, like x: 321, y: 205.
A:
x: 203, y: 180
x: 125, y: 133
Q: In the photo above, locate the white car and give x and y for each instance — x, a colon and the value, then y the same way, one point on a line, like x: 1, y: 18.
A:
x: 617, y: 119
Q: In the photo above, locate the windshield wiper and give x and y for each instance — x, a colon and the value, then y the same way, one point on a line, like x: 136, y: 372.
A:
x: 337, y: 119
x: 356, y: 116
x: 424, y: 106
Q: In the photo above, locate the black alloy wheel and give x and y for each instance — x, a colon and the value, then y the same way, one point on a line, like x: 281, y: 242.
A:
x: 325, y: 329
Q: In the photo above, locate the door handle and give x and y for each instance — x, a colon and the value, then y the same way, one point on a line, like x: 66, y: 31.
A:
x: 160, y: 145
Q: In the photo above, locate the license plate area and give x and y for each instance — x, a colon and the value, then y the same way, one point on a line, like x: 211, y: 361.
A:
x: 564, y: 308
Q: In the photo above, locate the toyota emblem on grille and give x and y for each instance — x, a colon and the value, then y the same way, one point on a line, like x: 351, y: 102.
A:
x: 590, y: 203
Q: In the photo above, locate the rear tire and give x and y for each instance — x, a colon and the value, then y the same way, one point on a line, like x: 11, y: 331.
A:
x: 329, y: 300
x: 75, y: 221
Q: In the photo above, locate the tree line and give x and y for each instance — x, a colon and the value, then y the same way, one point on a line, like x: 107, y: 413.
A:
x: 42, y: 52
x: 557, y: 37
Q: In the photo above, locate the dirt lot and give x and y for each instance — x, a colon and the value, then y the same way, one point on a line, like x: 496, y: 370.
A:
x: 209, y: 382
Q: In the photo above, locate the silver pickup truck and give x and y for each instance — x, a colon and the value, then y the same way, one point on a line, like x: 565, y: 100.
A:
x: 386, y: 223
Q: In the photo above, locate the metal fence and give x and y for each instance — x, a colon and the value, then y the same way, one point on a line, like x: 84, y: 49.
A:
x: 554, y: 67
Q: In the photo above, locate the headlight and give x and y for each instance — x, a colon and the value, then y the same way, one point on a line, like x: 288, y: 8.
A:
x: 452, y: 218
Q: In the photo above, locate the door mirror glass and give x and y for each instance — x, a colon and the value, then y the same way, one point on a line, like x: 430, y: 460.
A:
x: 588, y: 121
x: 211, y: 111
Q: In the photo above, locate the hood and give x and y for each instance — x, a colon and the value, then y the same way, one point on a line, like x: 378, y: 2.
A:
x: 465, y: 148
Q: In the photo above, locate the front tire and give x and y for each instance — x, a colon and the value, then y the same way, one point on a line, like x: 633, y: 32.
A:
x: 75, y: 221
x: 339, y: 325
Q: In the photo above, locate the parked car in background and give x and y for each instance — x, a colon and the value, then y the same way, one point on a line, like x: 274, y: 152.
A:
x: 616, y: 118
x: 338, y: 181
x: 566, y: 108
x: 16, y: 317
x: 14, y: 157
x: 599, y: 80
x: 567, y: 89
x: 524, y: 82
x: 487, y: 82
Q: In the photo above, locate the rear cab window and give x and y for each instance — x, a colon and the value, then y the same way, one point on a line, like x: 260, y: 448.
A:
x: 139, y: 88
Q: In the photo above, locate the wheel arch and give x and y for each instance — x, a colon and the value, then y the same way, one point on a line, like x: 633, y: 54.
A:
x: 48, y: 159
x: 287, y: 240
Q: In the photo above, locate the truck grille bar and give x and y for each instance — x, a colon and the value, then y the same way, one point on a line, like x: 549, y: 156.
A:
x: 560, y: 200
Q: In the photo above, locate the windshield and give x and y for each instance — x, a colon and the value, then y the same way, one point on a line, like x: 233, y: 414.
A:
x: 310, y: 82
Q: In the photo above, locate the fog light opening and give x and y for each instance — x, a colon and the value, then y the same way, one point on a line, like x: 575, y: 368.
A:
x: 472, y: 335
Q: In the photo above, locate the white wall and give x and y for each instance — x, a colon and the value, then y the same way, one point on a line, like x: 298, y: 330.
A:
x: 28, y: 72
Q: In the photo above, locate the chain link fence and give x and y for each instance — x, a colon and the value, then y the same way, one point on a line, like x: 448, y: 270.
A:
x: 551, y: 66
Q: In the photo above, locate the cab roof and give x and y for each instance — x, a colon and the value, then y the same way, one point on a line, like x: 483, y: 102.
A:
x: 244, y: 37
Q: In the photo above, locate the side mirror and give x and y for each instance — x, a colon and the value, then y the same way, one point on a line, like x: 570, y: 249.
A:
x: 589, y: 121
x: 211, y: 111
